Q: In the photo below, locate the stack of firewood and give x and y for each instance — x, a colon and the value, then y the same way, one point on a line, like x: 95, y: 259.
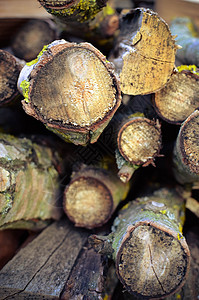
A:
x: 99, y: 154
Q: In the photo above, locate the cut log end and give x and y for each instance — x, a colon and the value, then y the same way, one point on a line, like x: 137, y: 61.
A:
x: 88, y: 202
x: 74, y: 88
x: 189, y: 143
x: 151, y: 262
x: 148, y: 52
x: 139, y: 141
x: 179, y: 98
x: 9, y: 72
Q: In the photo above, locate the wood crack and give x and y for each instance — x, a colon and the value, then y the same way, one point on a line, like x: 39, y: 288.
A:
x: 17, y: 293
x: 155, y: 271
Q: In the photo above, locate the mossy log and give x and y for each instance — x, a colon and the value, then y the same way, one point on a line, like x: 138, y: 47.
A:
x: 75, y: 10
x: 139, y: 141
x: 186, y: 151
x: 92, y: 196
x: 188, y: 39
x: 151, y: 255
x: 10, y: 68
x: 29, y: 189
x: 31, y: 37
x: 144, y: 53
x: 94, y: 21
x: 179, y: 98
x: 72, y: 89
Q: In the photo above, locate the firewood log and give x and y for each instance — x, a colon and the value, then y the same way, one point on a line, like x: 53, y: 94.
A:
x: 139, y: 142
x: 151, y: 255
x: 187, y: 38
x: 92, y: 196
x: 41, y: 269
x: 185, y: 153
x: 144, y: 53
x: 29, y: 189
x: 31, y: 37
x: 93, y: 21
x: 179, y: 98
x: 10, y: 68
x: 72, y: 89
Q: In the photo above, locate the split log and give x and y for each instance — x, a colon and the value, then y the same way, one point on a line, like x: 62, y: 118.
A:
x: 31, y: 37
x: 144, y: 53
x: 29, y: 189
x: 42, y: 268
x: 139, y: 141
x: 88, y: 277
x: 10, y: 68
x: 151, y: 255
x: 185, y: 153
x: 92, y: 196
x: 187, y: 38
x: 72, y: 89
x: 179, y: 98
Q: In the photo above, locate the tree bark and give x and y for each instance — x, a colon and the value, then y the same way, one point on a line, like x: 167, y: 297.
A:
x: 179, y: 98
x: 188, y: 39
x: 144, y: 54
x: 185, y: 153
x: 92, y: 196
x: 72, y: 89
x: 25, y: 46
x: 151, y: 255
x: 29, y: 190
x: 10, y: 68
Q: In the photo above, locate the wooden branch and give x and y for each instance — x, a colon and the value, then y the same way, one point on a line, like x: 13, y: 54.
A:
x: 185, y: 153
x: 92, y: 196
x: 144, y: 54
x: 139, y: 140
x: 179, y: 98
x: 41, y: 269
x: 25, y: 46
x: 74, y: 11
x: 188, y: 39
x: 72, y: 89
x: 151, y: 255
x: 29, y: 184
x: 10, y: 68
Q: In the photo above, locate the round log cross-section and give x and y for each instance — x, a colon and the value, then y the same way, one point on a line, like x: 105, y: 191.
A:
x: 72, y: 89
x: 92, y: 196
x: 179, y: 98
x: 139, y: 140
x: 186, y: 151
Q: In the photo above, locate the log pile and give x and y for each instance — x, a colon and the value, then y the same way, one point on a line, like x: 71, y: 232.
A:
x: 99, y: 165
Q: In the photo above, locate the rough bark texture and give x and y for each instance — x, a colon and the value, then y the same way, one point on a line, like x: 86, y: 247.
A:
x: 188, y: 39
x: 151, y: 255
x: 144, y: 53
x: 31, y: 38
x: 74, y: 11
x: 41, y: 269
x: 10, y: 68
x: 72, y: 89
x: 29, y: 190
x: 92, y: 196
x: 179, y: 98
x: 185, y: 153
